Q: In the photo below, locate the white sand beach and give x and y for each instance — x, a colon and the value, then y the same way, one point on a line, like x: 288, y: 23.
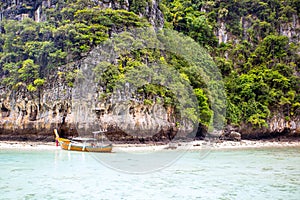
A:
x: 28, y: 145
x: 194, y: 145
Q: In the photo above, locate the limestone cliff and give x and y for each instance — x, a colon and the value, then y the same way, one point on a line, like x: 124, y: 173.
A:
x: 33, y: 115
x: 291, y: 29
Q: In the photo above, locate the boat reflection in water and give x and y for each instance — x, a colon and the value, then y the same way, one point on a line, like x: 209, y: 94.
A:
x: 84, y: 144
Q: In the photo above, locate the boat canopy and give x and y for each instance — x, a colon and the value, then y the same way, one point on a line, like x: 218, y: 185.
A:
x: 97, y: 132
x: 83, y: 139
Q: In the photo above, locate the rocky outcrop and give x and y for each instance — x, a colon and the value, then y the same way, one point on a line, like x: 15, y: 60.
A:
x: 150, y: 10
x: 291, y: 29
x: 27, y: 116
x: 232, y: 135
x: 278, y: 126
x: 221, y: 33
x: 33, y: 116
x: 21, y: 9
x: 154, y: 14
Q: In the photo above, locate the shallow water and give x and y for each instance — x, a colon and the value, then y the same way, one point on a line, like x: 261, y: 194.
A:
x: 222, y: 174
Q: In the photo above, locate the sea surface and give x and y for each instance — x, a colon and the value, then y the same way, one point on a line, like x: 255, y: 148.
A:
x: 222, y: 174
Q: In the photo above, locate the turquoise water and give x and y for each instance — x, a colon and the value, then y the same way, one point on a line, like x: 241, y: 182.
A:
x: 222, y: 174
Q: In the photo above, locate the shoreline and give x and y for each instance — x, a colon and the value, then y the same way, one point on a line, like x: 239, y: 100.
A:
x: 190, y: 146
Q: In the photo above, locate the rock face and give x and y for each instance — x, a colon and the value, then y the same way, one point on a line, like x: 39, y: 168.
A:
x: 33, y: 116
x: 21, y: 9
x: 222, y: 33
x: 278, y: 126
x: 291, y: 29
x: 122, y: 109
x: 233, y: 135
x: 153, y: 13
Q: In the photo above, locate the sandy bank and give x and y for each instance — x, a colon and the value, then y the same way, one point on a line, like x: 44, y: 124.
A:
x: 28, y: 145
x: 194, y: 145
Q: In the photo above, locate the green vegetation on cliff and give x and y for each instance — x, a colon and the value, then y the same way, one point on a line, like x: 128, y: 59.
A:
x: 30, y: 50
x: 260, y: 66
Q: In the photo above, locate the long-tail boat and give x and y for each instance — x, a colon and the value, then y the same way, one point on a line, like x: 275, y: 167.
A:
x: 82, y: 144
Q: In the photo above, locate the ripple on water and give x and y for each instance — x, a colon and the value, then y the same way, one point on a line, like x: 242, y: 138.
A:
x: 295, y: 180
x: 279, y: 187
x: 29, y: 196
x: 247, y: 174
x: 20, y: 170
x: 267, y: 169
x: 290, y: 168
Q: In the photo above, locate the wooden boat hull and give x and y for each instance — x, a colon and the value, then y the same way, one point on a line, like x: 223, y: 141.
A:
x: 79, y: 147
x: 63, y: 140
x: 72, y: 145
